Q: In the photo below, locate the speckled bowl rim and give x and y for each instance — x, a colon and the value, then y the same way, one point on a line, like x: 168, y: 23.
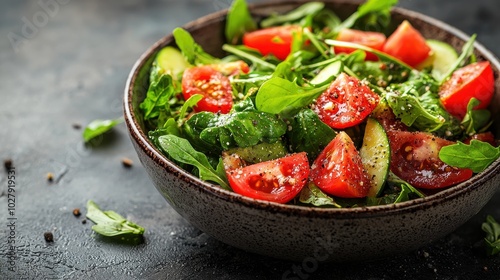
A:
x: 343, y: 213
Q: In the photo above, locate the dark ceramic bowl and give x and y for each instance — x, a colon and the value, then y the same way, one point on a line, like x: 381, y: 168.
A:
x: 303, y: 233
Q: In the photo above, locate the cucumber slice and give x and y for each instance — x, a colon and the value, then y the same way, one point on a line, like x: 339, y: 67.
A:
x: 375, y: 155
x: 171, y: 61
x: 260, y: 152
x: 331, y: 70
x: 442, y: 58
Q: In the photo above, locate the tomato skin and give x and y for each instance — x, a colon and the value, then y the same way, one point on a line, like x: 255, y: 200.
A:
x: 374, y: 40
x: 232, y: 68
x: 407, y: 45
x: 278, y: 180
x: 415, y: 159
x: 346, y: 103
x: 275, y: 40
x: 213, y: 85
x: 338, y: 169
x: 487, y: 137
x: 474, y: 80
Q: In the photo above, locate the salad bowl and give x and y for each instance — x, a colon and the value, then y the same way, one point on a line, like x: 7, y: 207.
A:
x: 304, y: 233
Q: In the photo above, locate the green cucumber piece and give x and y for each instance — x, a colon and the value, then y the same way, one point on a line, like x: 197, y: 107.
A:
x: 331, y: 70
x: 260, y: 152
x: 376, y: 155
x: 171, y: 61
x: 442, y: 58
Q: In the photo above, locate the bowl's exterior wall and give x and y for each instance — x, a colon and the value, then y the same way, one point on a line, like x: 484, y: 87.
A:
x: 302, y: 237
x: 299, y: 233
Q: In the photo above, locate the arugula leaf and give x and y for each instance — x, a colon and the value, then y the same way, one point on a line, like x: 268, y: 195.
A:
x: 378, y: 7
x: 396, y: 190
x: 180, y: 150
x: 99, y: 127
x: 475, y: 120
x: 190, y: 103
x: 477, y: 156
x: 193, y: 52
x: 309, y: 134
x: 417, y: 104
x: 277, y: 95
x: 311, y: 194
x: 467, y: 51
x: 492, y: 239
x: 238, y: 21
x: 308, y: 9
x: 110, y: 223
x: 158, y: 96
x: 248, y: 54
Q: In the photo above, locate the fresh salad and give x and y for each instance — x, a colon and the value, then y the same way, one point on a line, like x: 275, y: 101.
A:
x: 311, y: 109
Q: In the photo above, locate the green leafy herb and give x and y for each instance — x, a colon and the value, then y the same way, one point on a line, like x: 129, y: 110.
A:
x: 110, y: 223
x: 158, y: 97
x: 193, y: 52
x: 475, y: 120
x: 476, y: 156
x: 239, y: 21
x: 379, y: 7
x: 248, y: 54
x: 180, y: 150
x: 308, y: 9
x: 492, y: 239
x: 98, y: 127
x: 396, y: 190
x: 467, y: 50
x: 190, y: 103
x: 277, y: 95
x: 311, y: 194
x: 236, y: 129
x: 309, y: 134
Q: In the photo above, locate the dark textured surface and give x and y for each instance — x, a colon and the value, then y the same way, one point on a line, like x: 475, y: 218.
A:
x: 72, y: 70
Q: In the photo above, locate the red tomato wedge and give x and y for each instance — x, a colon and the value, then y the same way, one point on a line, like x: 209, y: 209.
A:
x: 213, y: 85
x: 374, y: 40
x: 273, y: 40
x: 407, y: 45
x: 474, y: 80
x: 487, y: 137
x: 415, y: 159
x: 278, y: 180
x: 338, y: 169
x: 347, y: 102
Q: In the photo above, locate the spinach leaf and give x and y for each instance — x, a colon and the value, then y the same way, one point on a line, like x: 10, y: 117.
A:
x: 238, y: 21
x: 477, y: 156
x: 307, y: 133
x: 243, y: 129
x: 193, y: 52
x: 180, y: 150
x: 278, y: 95
x: 475, y: 120
x: 380, y: 8
x: 308, y: 9
x: 158, y: 97
x: 311, y: 194
x: 98, y: 127
x: 110, y: 223
x: 492, y: 239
